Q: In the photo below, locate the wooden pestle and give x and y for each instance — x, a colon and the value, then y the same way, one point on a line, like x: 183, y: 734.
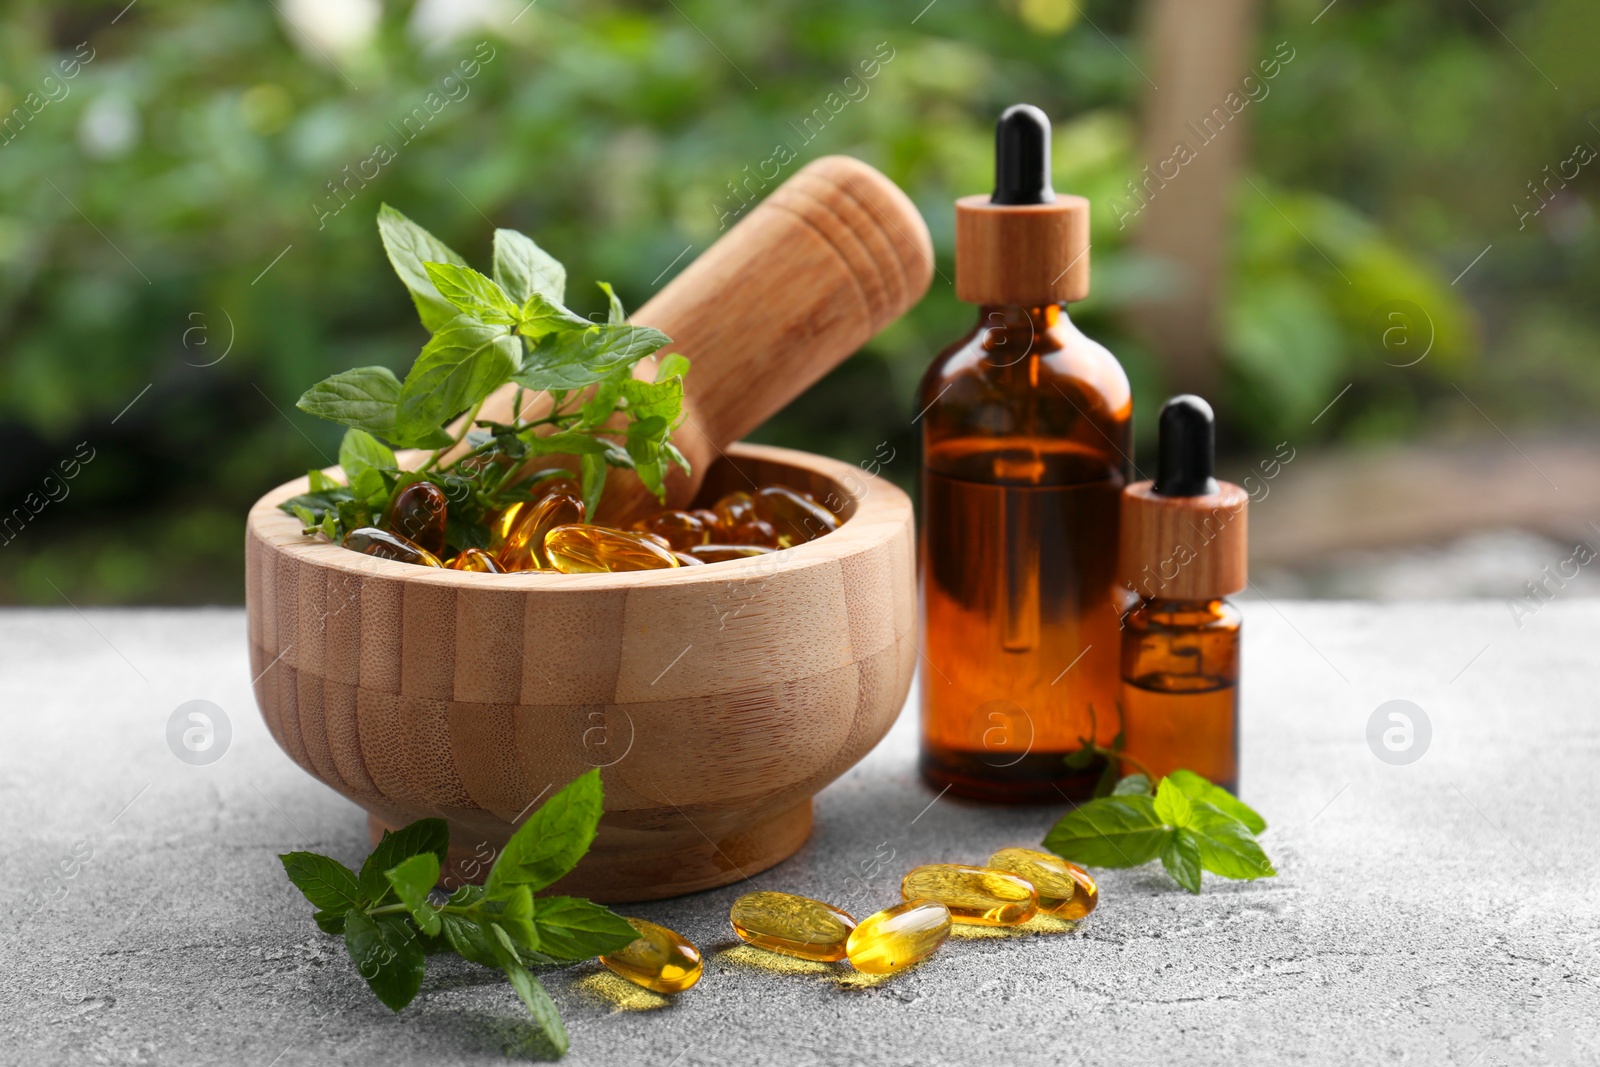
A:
x: 807, y: 277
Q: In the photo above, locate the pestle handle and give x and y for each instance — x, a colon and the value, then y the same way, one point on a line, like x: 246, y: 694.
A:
x: 805, y: 279
x: 809, y: 276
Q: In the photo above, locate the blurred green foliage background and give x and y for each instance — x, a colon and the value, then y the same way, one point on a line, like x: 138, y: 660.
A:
x: 179, y: 259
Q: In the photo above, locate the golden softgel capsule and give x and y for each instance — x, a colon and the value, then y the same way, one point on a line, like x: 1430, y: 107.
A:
x: 1066, y: 890
x: 661, y: 959
x: 794, y: 926
x: 371, y: 541
x: 899, y: 936
x: 590, y: 549
x: 978, y: 895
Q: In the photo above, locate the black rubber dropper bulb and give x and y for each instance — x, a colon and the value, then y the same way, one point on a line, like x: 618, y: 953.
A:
x: 1022, y: 157
x: 1187, y: 446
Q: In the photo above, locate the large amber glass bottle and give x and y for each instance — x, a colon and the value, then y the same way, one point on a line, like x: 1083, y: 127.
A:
x: 1026, y: 448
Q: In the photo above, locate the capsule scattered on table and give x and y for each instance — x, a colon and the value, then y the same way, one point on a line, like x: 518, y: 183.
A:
x: 659, y: 959
x: 590, y: 549
x: 1066, y: 890
x: 792, y: 925
x: 897, y: 937
x: 371, y: 541
x: 981, y: 896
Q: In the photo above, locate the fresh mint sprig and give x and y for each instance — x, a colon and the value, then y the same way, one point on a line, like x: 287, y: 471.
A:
x: 392, y: 918
x: 1184, y: 820
x: 488, y: 331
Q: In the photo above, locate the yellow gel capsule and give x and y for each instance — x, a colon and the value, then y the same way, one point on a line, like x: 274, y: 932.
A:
x: 1066, y: 890
x: 660, y: 959
x: 474, y: 559
x: 899, y: 936
x: 794, y: 926
x: 589, y: 549
x: 977, y: 895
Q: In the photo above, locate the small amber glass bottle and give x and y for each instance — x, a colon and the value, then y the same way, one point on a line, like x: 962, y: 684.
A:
x: 1026, y: 438
x: 1183, y: 550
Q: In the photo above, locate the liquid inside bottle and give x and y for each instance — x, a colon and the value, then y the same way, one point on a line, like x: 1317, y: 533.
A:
x: 1180, y: 696
x: 1026, y: 445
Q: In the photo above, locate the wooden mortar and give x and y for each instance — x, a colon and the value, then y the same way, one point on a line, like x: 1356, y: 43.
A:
x: 716, y: 699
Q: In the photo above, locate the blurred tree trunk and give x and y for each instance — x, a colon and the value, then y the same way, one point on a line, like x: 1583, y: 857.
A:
x: 1199, y: 54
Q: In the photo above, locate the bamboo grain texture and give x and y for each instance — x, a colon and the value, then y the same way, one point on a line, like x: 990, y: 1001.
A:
x: 716, y: 700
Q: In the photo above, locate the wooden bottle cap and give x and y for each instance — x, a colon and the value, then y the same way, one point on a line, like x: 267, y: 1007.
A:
x: 1025, y: 255
x: 1184, y: 547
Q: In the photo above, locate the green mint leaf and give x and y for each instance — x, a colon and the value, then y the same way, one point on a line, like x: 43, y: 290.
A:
x: 1110, y: 832
x: 1080, y: 759
x: 363, y: 458
x: 552, y: 840
x: 515, y: 916
x: 1181, y: 857
x: 522, y: 268
x: 368, y: 398
x: 533, y: 994
x: 387, y: 955
x: 571, y: 928
x: 328, y: 884
x: 677, y: 457
x: 397, y: 846
x: 573, y: 358
x: 469, y: 939
x: 409, y: 247
x: 330, y: 922
x: 1196, y: 787
x: 1107, y: 783
x: 601, y: 405
x: 615, y: 314
x: 308, y: 522
x: 672, y: 365
x: 413, y: 880
x: 1226, y: 845
x: 539, y: 316
x: 318, y: 482
x: 654, y: 399
x: 1172, y: 807
x: 568, y: 443
x: 473, y: 293
x: 592, y: 472
x: 465, y: 362
x: 644, y: 440
x: 1134, y: 785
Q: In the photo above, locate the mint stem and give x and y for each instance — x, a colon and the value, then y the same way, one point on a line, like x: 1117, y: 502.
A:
x: 466, y: 427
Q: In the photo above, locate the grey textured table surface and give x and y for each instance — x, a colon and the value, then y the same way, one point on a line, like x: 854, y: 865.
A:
x: 1439, y: 912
